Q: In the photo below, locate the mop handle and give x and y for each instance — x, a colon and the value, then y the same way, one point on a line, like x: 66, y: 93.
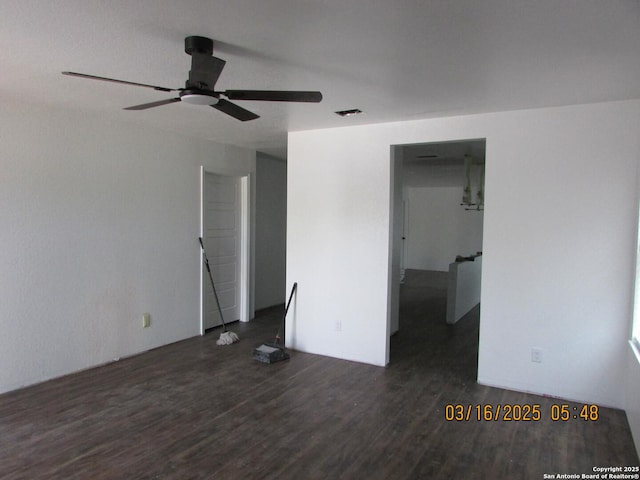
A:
x: 206, y: 260
x: 215, y: 294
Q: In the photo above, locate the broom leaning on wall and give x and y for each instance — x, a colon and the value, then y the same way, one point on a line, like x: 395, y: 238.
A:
x: 226, y: 337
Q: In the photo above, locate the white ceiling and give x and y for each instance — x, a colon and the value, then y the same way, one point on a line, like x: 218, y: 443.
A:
x: 395, y: 60
x: 441, y: 164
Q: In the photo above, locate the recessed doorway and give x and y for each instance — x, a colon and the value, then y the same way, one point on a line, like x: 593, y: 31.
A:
x: 224, y: 230
x: 438, y: 211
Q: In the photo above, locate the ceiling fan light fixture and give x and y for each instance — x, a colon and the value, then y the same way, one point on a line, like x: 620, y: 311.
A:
x: 199, y: 99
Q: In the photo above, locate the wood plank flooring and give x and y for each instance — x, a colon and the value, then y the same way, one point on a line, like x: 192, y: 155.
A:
x: 195, y: 410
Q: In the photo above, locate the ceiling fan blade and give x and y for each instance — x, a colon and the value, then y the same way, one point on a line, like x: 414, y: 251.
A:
x: 159, y: 103
x: 273, y: 95
x: 234, y: 110
x: 205, y: 70
x: 105, y: 79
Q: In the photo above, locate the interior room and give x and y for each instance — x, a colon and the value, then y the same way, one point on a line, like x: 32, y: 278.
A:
x: 113, y: 116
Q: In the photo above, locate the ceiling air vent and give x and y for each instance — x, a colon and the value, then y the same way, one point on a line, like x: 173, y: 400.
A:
x: 349, y: 113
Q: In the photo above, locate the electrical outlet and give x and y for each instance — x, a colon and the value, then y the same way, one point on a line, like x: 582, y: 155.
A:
x: 146, y: 320
x: 338, y: 325
x: 536, y: 355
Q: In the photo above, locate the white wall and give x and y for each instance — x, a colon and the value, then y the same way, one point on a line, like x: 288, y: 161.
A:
x: 99, y: 224
x: 560, y: 206
x: 337, y: 243
x: 464, y: 288
x: 271, y: 230
x: 439, y: 228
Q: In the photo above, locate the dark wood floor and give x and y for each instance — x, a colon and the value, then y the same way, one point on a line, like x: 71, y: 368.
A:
x: 194, y: 410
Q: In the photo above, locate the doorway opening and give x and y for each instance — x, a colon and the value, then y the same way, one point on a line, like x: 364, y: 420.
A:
x: 436, y: 254
x: 224, y: 228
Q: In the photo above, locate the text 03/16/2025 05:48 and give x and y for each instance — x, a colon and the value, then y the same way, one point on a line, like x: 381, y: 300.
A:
x: 519, y: 413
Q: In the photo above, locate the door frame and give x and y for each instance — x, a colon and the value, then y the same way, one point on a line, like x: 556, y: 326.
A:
x: 398, y: 226
x: 245, y: 244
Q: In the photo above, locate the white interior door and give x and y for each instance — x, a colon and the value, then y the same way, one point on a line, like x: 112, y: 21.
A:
x: 222, y: 231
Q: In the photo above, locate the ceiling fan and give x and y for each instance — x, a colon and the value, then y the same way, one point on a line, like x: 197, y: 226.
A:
x: 199, y: 88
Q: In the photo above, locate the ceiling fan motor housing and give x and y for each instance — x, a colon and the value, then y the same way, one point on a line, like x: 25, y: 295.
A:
x: 201, y: 45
